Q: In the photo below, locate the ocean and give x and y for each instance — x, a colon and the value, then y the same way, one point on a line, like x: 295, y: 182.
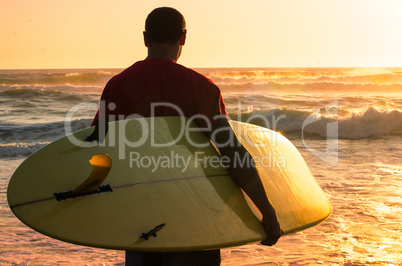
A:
x: 346, y: 122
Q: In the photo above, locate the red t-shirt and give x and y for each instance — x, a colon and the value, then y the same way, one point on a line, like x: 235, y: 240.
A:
x: 175, y: 89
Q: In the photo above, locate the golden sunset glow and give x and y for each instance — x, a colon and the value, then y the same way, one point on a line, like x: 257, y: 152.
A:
x: 256, y: 33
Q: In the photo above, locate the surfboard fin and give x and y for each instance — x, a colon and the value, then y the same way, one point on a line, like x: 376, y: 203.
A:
x: 101, y: 165
x: 153, y: 232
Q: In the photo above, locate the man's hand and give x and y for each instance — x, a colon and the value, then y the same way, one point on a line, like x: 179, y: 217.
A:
x: 272, y: 229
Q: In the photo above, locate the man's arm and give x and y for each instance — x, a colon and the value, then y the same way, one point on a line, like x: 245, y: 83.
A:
x: 247, y: 178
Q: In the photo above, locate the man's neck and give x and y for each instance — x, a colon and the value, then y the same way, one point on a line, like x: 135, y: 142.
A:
x: 164, y: 51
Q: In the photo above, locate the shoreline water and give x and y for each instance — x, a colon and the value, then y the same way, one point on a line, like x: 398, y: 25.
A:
x: 363, y: 229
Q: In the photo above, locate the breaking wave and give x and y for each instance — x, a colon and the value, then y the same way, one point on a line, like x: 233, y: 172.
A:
x: 18, y: 140
x: 372, y: 123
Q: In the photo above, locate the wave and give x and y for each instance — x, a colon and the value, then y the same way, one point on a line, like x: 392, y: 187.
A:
x: 307, y: 75
x: 29, y: 93
x: 56, y: 77
x: 371, y: 123
x: 15, y: 89
x: 32, y: 133
x: 311, y: 87
x: 307, y: 79
x: 20, y: 140
x: 18, y: 150
x: 268, y: 80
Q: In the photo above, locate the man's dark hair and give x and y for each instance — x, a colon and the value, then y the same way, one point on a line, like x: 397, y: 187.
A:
x: 164, y: 25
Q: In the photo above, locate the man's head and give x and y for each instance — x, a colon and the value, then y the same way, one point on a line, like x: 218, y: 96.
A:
x: 164, y: 25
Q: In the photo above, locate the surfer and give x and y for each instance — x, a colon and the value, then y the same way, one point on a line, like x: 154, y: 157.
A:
x: 159, y: 79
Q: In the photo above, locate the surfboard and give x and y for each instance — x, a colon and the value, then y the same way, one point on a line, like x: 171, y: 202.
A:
x: 158, y: 184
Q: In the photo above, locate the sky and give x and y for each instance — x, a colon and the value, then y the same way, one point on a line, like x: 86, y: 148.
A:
x: 37, y: 34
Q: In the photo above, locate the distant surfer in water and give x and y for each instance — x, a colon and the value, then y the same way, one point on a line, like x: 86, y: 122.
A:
x: 159, y: 79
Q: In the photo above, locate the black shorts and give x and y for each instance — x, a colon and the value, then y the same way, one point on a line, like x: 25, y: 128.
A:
x: 204, y: 258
